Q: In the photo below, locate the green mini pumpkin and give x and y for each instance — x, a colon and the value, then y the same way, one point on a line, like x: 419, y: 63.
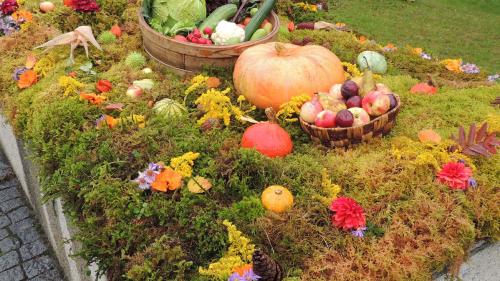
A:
x: 374, y: 61
x: 169, y: 109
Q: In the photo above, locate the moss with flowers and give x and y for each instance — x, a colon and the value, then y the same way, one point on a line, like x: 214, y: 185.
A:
x: 178, y: 199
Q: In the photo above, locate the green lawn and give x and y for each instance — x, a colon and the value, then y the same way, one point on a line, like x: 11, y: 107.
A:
x: 446, y: 28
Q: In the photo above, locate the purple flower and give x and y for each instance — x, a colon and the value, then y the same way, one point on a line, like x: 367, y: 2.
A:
x: 18, y: 71
x: 425, y: 56
x: 360, y: 232
x: 470, y: 68
x: 155, y: 167
x: 143, y: 182
x: 472, y: 182
x: 249, y: 275
x: 494, y: 77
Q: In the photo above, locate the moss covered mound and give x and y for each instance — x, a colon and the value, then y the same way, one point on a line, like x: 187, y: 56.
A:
x: 415, y: 226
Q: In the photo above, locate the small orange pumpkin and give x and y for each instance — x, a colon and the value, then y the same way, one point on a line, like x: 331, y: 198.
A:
x: 269, y: 75
x: 277, y: 199
x: 429, y: 136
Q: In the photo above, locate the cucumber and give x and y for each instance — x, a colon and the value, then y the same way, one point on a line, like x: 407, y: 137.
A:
x: 258, y: 34
x: 224, y: 12
x: 259, y: 17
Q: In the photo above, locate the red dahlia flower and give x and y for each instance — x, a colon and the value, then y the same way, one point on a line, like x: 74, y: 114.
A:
x: 84, y: 6
x: 455, y: 175
x: 347, y: 214
x: 104, y: 86
x: 8, y: 6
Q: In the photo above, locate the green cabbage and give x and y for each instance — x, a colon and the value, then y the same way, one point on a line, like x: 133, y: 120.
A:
x: 172, y: 16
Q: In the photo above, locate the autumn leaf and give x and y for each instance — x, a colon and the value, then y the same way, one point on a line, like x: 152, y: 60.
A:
x: 199, y: 184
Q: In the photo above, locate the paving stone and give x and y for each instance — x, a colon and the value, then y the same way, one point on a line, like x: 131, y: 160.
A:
x: 19, y: 214
x: 13, y: 274
x: 7, y: 244
x: 51, y: 275
x: 32, y: 249
x: 25, y: 230
x: 38, y: 266
x: 9, y: 260
x: 3, y: 233
x: 11, y: 204
x: 9, y: 193
x: 4, y: 221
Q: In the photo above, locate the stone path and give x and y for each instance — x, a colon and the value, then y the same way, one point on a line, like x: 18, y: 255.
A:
x: 24, y: 252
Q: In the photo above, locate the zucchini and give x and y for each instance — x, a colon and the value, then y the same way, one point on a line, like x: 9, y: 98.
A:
x: 259, y: 17
x: 258, y: 34
x: 224, y: 12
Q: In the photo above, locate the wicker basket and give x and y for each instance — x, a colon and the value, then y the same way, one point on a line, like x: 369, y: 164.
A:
x: 344, y: 137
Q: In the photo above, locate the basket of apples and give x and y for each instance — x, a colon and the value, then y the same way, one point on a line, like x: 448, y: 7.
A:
x: 350, y: 113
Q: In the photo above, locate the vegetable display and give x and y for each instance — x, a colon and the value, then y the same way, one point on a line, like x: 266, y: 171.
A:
x: 227, y: 24
x: 270, y: 74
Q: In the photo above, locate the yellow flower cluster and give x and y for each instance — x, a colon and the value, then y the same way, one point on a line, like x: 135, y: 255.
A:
x: 493, y: 121
x: 292, y: 107
x: 426, y: 154
x: 352, y: 70
x: 44, y: 65
x: 217, y: 105
x: 70, y: 85
x: 196, y: 83
x: 330, y: 189
x: 239, y: 254
x: 184, y: 164
x: 307, y: 7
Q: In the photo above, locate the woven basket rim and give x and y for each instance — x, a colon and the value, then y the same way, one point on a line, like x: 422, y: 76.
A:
x: 274, y: 31
x: 336, y: 129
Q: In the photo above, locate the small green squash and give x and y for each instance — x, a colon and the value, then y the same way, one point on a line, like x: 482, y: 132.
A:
x: 374, y: 61
x: 169, y: 109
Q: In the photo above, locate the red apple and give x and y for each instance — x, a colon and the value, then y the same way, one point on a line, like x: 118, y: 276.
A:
x: 310, y: 110
x: 134, y: 91
x: 335, y: 91
x: 354, y: 102
x: 361, y: 117
x: 325, y: 119
x: 376, y: 103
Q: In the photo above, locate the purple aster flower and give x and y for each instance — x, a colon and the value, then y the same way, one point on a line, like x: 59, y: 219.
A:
x: 494, y: 77
x: 142, y: 181
x: 101, y: 121
x: 249, y: 275
x: 18, y: 71
x: 360, y: 232
x: 470, y: 68
x: 155, y: 167
x: 425, y: 56
x: 472, y: 182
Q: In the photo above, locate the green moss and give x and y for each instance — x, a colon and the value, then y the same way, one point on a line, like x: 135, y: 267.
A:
x: 138, y: 235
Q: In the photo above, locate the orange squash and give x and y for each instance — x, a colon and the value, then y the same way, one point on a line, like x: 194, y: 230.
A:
x: 269, y: 75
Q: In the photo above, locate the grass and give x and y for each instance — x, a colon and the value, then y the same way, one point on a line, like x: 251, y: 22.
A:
x: 445, y: 28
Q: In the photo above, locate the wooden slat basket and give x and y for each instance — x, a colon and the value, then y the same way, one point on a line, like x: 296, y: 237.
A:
x: 188, y: 58
x: 345, y: 137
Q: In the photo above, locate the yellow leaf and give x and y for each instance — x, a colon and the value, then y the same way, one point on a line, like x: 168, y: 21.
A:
x: 199, y: 184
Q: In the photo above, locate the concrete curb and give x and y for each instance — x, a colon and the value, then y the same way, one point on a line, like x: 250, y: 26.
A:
x: 50, y: 214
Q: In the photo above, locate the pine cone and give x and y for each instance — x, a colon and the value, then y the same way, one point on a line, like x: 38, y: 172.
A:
x: 477, y: 143
x: 210, y: 124
x: 265, y: 267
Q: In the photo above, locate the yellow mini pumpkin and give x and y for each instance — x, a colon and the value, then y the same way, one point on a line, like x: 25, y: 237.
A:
x: 277, y: 199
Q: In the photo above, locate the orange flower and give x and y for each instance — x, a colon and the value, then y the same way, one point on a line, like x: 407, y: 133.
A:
x: 242, y: 269
x: 453, y: 65
x: 362, y: 39
x: 417, y: 51
x: 167, y: 180
x: 27, y: 79
x: 30, y: 61
x: 92, y: 98
x: 22, y: 15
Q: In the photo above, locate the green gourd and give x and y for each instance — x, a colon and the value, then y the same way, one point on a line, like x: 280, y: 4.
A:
x: 169, y: 109
x: 372, y: 60
x: 224, y: 12
x: 259, y: 18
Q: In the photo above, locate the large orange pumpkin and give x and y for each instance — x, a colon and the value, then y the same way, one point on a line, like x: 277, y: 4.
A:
x: 269, y: 75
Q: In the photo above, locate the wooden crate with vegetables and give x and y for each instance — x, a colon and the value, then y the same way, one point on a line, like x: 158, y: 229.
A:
x: 186, y: 35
